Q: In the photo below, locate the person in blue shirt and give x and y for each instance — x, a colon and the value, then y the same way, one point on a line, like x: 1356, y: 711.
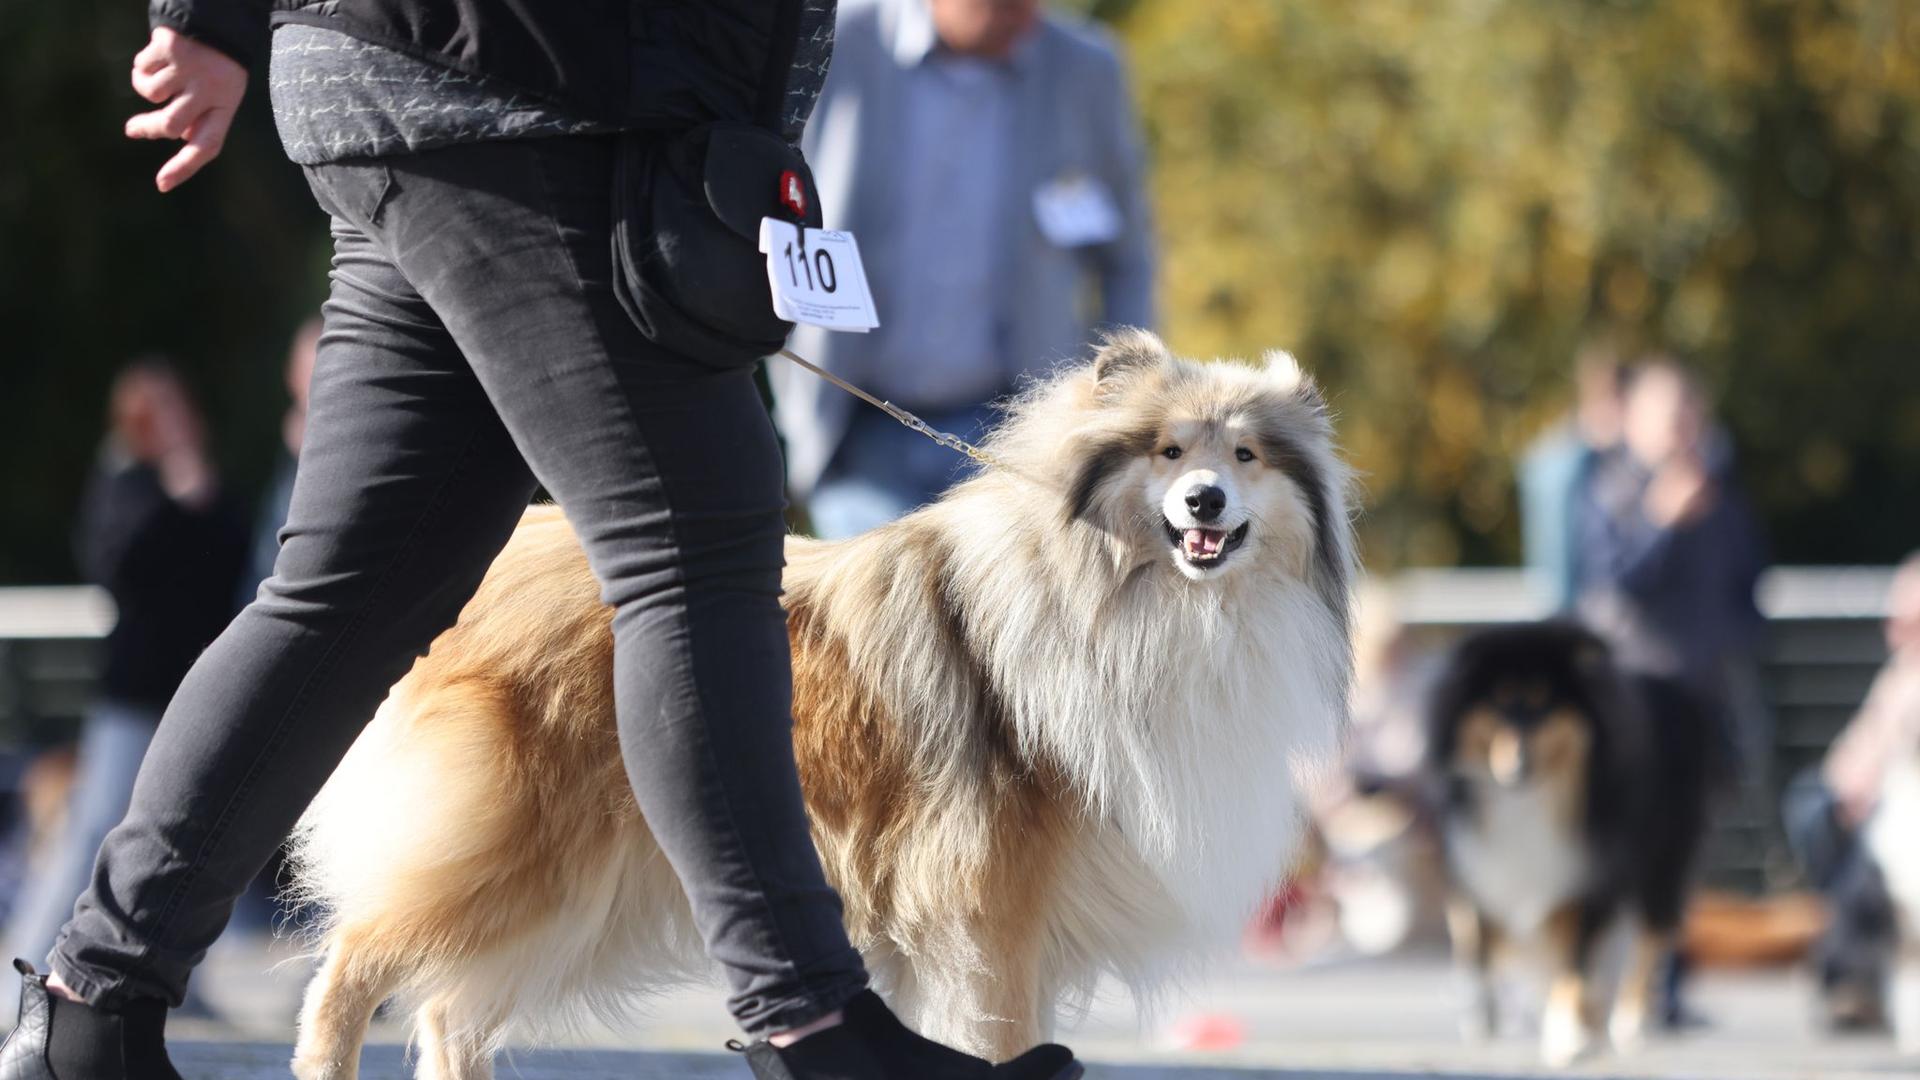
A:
x: 1669, y: 548
x: 1556, y: 468
x: 986, y: 155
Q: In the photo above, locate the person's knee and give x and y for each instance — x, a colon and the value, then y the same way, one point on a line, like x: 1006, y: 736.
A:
x: 323, y: 580
x: 313, y: 581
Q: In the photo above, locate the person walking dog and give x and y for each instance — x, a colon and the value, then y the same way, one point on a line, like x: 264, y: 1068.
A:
x: 534, y: 282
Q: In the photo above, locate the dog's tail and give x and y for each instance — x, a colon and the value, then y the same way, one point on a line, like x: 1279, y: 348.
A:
x: 487, y: 879
x: 390, y: 816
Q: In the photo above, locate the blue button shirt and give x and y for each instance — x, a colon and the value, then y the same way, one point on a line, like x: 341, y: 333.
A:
x: 943, y: 324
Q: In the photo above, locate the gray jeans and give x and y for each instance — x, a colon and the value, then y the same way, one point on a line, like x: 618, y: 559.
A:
x: 473, y: 346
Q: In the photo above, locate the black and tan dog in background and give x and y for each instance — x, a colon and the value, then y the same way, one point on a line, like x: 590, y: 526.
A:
x: 1575, y: 798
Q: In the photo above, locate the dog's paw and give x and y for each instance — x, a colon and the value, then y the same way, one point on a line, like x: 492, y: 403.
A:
x: 308, y: 1068
x: 1564, y: 1039
x: 1479, y: 1008
x: 1478, y: 1024
x: 1627, y: 1028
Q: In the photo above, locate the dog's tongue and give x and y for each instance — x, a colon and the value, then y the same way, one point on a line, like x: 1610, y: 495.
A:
x: 1204, y: 541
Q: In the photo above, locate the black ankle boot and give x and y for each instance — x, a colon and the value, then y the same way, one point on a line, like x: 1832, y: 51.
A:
x: 872, y: 1044
x: 57, y: 1039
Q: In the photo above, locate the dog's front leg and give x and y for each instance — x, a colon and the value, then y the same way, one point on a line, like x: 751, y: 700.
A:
x: 1475, y: 939
x: 982, y: 993
x: 1567, y: 1025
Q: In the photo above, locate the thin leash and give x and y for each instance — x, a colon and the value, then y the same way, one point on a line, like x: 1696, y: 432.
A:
x: 912, y: 422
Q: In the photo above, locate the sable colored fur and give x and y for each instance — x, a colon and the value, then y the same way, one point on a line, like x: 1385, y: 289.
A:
x: 1050, y: 727
x: 1574, y: 796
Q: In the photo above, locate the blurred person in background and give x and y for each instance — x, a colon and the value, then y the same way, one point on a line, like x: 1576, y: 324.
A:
x: 271, y: 515
x: 158, y: 534
x: 1557, y: 467
x: 1669, y: 553
x: 987, y: 156
x: 1825, y: 807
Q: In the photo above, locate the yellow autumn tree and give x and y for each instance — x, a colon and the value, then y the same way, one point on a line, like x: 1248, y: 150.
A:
x: 1434, y: 204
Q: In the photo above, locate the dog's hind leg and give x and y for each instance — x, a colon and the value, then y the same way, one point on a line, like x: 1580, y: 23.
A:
x: 339, y: 1005
x: 1475, y: 940
x: 450, y: 1049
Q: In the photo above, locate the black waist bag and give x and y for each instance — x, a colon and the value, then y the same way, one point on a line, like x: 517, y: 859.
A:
x: 686, y: 231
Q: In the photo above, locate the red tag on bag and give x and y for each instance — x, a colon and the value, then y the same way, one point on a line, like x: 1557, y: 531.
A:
x: 793, y: 195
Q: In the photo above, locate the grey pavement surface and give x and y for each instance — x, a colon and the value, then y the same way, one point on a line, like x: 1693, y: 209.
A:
x: 1358, y: 1020
x: 252, y: 1061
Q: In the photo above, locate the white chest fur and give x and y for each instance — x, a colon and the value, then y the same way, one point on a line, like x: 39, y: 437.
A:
x: 1517, y: 855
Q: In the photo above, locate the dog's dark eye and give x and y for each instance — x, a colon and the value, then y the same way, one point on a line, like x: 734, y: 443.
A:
x: 1243, y: 454
x: 1170, y: 453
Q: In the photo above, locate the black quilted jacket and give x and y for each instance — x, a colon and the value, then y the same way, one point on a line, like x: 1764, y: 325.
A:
x: 636, y: 63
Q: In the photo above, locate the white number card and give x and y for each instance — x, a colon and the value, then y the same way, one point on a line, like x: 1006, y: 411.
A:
x: 1075, y: 211
x: 817, y: 277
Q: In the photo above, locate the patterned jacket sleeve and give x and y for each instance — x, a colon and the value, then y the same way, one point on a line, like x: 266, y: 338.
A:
x: 235, y: 27
x: 811, y: 58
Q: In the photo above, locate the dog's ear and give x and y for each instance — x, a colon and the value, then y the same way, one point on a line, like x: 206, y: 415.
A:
x: 1280, y: 366
x: 1125, y: 353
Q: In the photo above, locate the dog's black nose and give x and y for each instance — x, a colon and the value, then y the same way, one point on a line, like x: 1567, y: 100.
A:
x: 1206, y: 502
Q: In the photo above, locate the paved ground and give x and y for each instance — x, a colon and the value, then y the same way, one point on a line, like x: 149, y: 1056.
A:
x: 1370, y: 1020
x: 254, y: 1061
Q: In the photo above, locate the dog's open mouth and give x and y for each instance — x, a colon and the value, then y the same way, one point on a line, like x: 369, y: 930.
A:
x: 1205, y: 547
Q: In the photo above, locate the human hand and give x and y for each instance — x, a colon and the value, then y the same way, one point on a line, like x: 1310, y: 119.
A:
x: 188, y: 478
x: 157, y: 426
x: 1680, y: 493
x: 180, y: 443
x: 198, y: 88
x: 1854, y: 808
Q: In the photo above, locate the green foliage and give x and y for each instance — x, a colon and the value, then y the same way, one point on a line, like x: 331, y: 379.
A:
x: 1436, y: 203
x: 95, y: 267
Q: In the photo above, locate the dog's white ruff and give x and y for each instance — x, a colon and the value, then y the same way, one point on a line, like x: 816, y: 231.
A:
x: 1517, y: 856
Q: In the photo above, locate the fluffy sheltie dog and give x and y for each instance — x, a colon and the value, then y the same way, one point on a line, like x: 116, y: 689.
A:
x: 1573, y: 796
x: 1050, y: 727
